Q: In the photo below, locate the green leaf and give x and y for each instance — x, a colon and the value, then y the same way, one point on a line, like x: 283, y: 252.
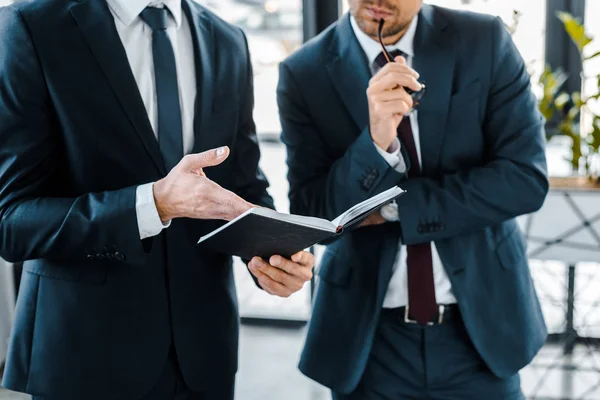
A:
x: 576, y: 150
x: 596, y: 54
x: 573, y: 114
x: 575, y: 30
x: 562, y: 100
x: 552, y: 81
x: 566, y: 128
x: 546, y: 109
x: 595, y: 136
x: 576, y: 97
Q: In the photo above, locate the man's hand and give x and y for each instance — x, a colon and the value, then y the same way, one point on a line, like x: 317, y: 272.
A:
x: 373, y: 219
x: 187, y: 192
x: 283, y: 277
x: 389, y: 102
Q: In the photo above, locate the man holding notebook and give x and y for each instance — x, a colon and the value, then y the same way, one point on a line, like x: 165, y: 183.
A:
x: 433, y: 299
x: 126, y: 134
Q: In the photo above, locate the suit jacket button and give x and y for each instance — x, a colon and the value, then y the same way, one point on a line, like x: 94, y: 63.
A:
x: 100, y: 256
x: 119, y: 256
x: 90, y: 257
x: 420, y: 229
x: 110, y: 257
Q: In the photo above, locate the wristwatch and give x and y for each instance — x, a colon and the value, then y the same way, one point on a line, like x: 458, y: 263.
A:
x: 389, y: 212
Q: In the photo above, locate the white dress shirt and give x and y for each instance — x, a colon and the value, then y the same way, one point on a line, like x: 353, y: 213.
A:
x: 397, y: 293
x: 136, y: 36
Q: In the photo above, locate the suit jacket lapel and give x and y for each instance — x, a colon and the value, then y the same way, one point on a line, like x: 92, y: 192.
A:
x: 96, y: 23
x: 204, y: 55
x: 435, y: 61
x: 349, y: 71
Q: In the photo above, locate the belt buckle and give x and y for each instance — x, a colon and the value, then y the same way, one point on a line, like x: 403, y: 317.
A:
x: 440, y: 319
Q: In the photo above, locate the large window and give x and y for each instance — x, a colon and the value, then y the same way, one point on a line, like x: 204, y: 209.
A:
x: 528, y: 33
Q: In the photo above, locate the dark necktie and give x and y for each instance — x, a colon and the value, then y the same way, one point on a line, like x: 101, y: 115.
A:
x: 422, y: 304
x: 170, y: 131
x: 380, y: 61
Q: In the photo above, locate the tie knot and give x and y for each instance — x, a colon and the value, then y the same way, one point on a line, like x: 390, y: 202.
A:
x: 380, y: 61
x: 155, y: 17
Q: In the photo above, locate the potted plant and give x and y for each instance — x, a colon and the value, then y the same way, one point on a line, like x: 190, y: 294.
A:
x: 570, y: 115
x: 567, y: 227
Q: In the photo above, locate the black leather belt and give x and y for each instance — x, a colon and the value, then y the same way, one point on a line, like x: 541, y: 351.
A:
x: 446, y: 313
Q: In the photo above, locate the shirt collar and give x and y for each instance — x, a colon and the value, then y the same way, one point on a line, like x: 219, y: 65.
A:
x: 372, y: 48
x: 128, y: 10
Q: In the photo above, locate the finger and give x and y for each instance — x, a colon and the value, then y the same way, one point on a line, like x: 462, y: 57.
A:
x: 304, y: 258
x: 270, y: 286
x: 373, y: 219
x: 281, y: 276
x: 228, y: 205
x: 209, y: 158
x: 392, y: 95
x: 389, y: 95
x: 255, y: 262
x: 394, y: 79
x: 300, y: 271
x: 234, y: 206
x: 400, y: 60
x: 259, y: 275
x: 392, y: 108
x: 264, y: 281
x: 395, y: 67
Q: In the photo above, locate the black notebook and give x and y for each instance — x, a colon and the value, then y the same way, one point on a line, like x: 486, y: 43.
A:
x: 264, y: 232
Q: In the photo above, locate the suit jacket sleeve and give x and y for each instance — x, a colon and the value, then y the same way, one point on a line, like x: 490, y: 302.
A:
x: 35, y: 220
x: 513, y: 180
x: 320, y: 184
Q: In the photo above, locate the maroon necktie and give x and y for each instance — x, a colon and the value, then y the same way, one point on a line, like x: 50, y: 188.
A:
x: 422, y: 304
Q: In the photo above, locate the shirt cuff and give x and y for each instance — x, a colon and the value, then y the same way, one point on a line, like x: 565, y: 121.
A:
x: 149, y: 223
x: 393, y: 156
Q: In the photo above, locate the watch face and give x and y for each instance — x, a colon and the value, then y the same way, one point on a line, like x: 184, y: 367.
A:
x: 389, y: 212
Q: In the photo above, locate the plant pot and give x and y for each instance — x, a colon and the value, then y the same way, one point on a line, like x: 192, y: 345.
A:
x: 567, y: 227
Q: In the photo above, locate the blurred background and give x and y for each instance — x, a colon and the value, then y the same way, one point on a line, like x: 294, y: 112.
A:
x: 556, y: 39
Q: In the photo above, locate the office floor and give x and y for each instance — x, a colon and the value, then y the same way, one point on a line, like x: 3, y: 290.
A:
x: 268, y: 358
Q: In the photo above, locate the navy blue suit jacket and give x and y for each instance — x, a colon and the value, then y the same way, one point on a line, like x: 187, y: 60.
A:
x: 482, y: 146
x: 98, y: 308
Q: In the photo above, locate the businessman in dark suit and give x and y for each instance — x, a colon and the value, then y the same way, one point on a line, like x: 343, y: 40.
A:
x: 99, y: 102
x: 433, y: 299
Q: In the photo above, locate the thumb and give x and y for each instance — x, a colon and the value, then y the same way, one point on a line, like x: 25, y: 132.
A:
x: 209, y: 158
x: 400, y: 60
